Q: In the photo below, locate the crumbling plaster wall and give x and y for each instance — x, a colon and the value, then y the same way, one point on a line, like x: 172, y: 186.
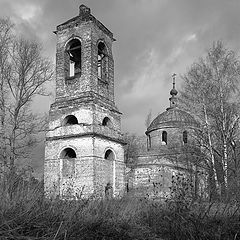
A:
x: 89, y: 35
x: 92, y: 171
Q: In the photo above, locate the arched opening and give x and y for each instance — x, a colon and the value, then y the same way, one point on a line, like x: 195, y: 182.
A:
x: 185, y: 137
x: 110, y: 174
x: 102, y: 61
x: 70, y: 120
x: 68, y: 156
x: 109, y: 155
x: 68, y: 153
x: 107, y: 122
x: 149, y: 141
x: 73, y: 61
x: 164, y: 138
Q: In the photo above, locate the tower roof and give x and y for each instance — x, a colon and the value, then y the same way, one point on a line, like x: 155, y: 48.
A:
x: 173, y: 99
x: 84, y: 16
x: 174, y: 92
x: 173, y: 117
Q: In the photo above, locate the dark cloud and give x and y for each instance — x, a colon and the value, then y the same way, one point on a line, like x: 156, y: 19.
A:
x: 154, y: 39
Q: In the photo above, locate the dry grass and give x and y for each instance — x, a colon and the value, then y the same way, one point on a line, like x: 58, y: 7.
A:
x: 27, y: 215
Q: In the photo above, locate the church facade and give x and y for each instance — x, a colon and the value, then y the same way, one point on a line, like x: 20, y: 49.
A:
x: 84, y: 151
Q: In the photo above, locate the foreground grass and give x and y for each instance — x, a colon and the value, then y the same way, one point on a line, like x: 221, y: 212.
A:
x: 30, y: 216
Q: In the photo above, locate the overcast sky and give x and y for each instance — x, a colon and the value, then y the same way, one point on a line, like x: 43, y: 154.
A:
x: 155, y: 38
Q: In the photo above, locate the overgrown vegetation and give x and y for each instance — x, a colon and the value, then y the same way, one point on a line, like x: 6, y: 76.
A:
x: 24, y: 73
x: 28, y: 215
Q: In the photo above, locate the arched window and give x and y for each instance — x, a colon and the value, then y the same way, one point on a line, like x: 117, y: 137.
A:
x: 68, y: 163
x: 149, y: 141
x: 68, y: 153
x: 185, y: 137
x: 164, y: 138
x: 73, y: 61
x: 107, y: 122
x: 109, y: 155
x: 102, y: 61
x: 70, y: 120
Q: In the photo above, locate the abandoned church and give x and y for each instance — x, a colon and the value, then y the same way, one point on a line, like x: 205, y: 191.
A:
x: 84, y: 151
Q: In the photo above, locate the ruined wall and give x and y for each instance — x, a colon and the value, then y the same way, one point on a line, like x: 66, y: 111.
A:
x: 153, y: 180
x: 52, y: 177
x: 107, y: 170
x: 90, y: 119
x: 91, y: 171
x: 174, y: 138
x: 89, y: 34
x: 83, y: 165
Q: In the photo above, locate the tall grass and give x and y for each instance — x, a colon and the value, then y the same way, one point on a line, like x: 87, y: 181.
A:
x: 28, y: 215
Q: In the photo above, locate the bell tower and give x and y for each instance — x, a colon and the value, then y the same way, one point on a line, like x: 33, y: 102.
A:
x: 84, y: 153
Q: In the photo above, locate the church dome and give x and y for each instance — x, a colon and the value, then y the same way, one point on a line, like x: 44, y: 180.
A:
x: 173, y: 117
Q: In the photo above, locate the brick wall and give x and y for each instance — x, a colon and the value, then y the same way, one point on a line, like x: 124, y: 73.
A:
x: 89, y: 34
x: 90, y: 100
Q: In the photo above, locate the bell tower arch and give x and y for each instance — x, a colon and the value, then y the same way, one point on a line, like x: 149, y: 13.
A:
x: 84, y: 115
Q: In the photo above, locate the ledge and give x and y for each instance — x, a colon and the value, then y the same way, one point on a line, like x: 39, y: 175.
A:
x: 90, y: 134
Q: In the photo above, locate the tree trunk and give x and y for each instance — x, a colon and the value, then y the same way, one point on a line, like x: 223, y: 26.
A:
x: 225, y: 153
x: 213, y: 173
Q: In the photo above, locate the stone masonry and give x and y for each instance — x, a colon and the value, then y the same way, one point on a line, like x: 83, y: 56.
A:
x: 84, y: 153
x: 172, y: 151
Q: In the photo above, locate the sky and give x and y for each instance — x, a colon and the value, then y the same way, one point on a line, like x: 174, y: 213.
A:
x: 155, y: 38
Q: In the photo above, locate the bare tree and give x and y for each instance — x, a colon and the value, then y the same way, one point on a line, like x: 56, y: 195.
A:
x: 5, y: 41
x: 211, y: 92
x: 25, y: 73
x: 135, y: 145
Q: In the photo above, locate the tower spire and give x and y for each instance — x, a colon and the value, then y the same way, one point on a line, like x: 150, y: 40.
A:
x: 173, y: 99
x: 173, y: 77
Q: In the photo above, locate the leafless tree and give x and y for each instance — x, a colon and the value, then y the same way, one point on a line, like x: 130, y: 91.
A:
x: 135, y: 145
x: 210, y: 91
x: 5, y: 42
x: 24, y: 74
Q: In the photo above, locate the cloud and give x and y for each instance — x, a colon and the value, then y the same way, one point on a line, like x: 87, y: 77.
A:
x: 154, y: 39
x: 27, y: 12
x: 190, y: 37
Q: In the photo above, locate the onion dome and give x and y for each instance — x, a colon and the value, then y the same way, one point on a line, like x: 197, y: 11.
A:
x: 173, y: 91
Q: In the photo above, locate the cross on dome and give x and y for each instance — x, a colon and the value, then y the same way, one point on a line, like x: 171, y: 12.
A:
x: 173, y: 99
x: 174, y: 91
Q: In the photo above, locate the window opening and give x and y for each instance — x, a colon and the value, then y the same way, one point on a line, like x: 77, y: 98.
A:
x: 106, y: 122
x: 109, y: 155
x: 185, y: 137
x: 68, y: 168
x: 74, y: 57
x: 164, y: 138
x: 102, y: 61
x: 70, y: 120
x: 149, y: 141
x: 68, y: 153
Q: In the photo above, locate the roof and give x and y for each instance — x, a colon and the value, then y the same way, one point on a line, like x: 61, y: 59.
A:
x: 84, y: 16
x: 173, y: 117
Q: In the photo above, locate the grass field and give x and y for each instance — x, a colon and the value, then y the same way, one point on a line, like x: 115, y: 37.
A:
x: 28, y: 215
